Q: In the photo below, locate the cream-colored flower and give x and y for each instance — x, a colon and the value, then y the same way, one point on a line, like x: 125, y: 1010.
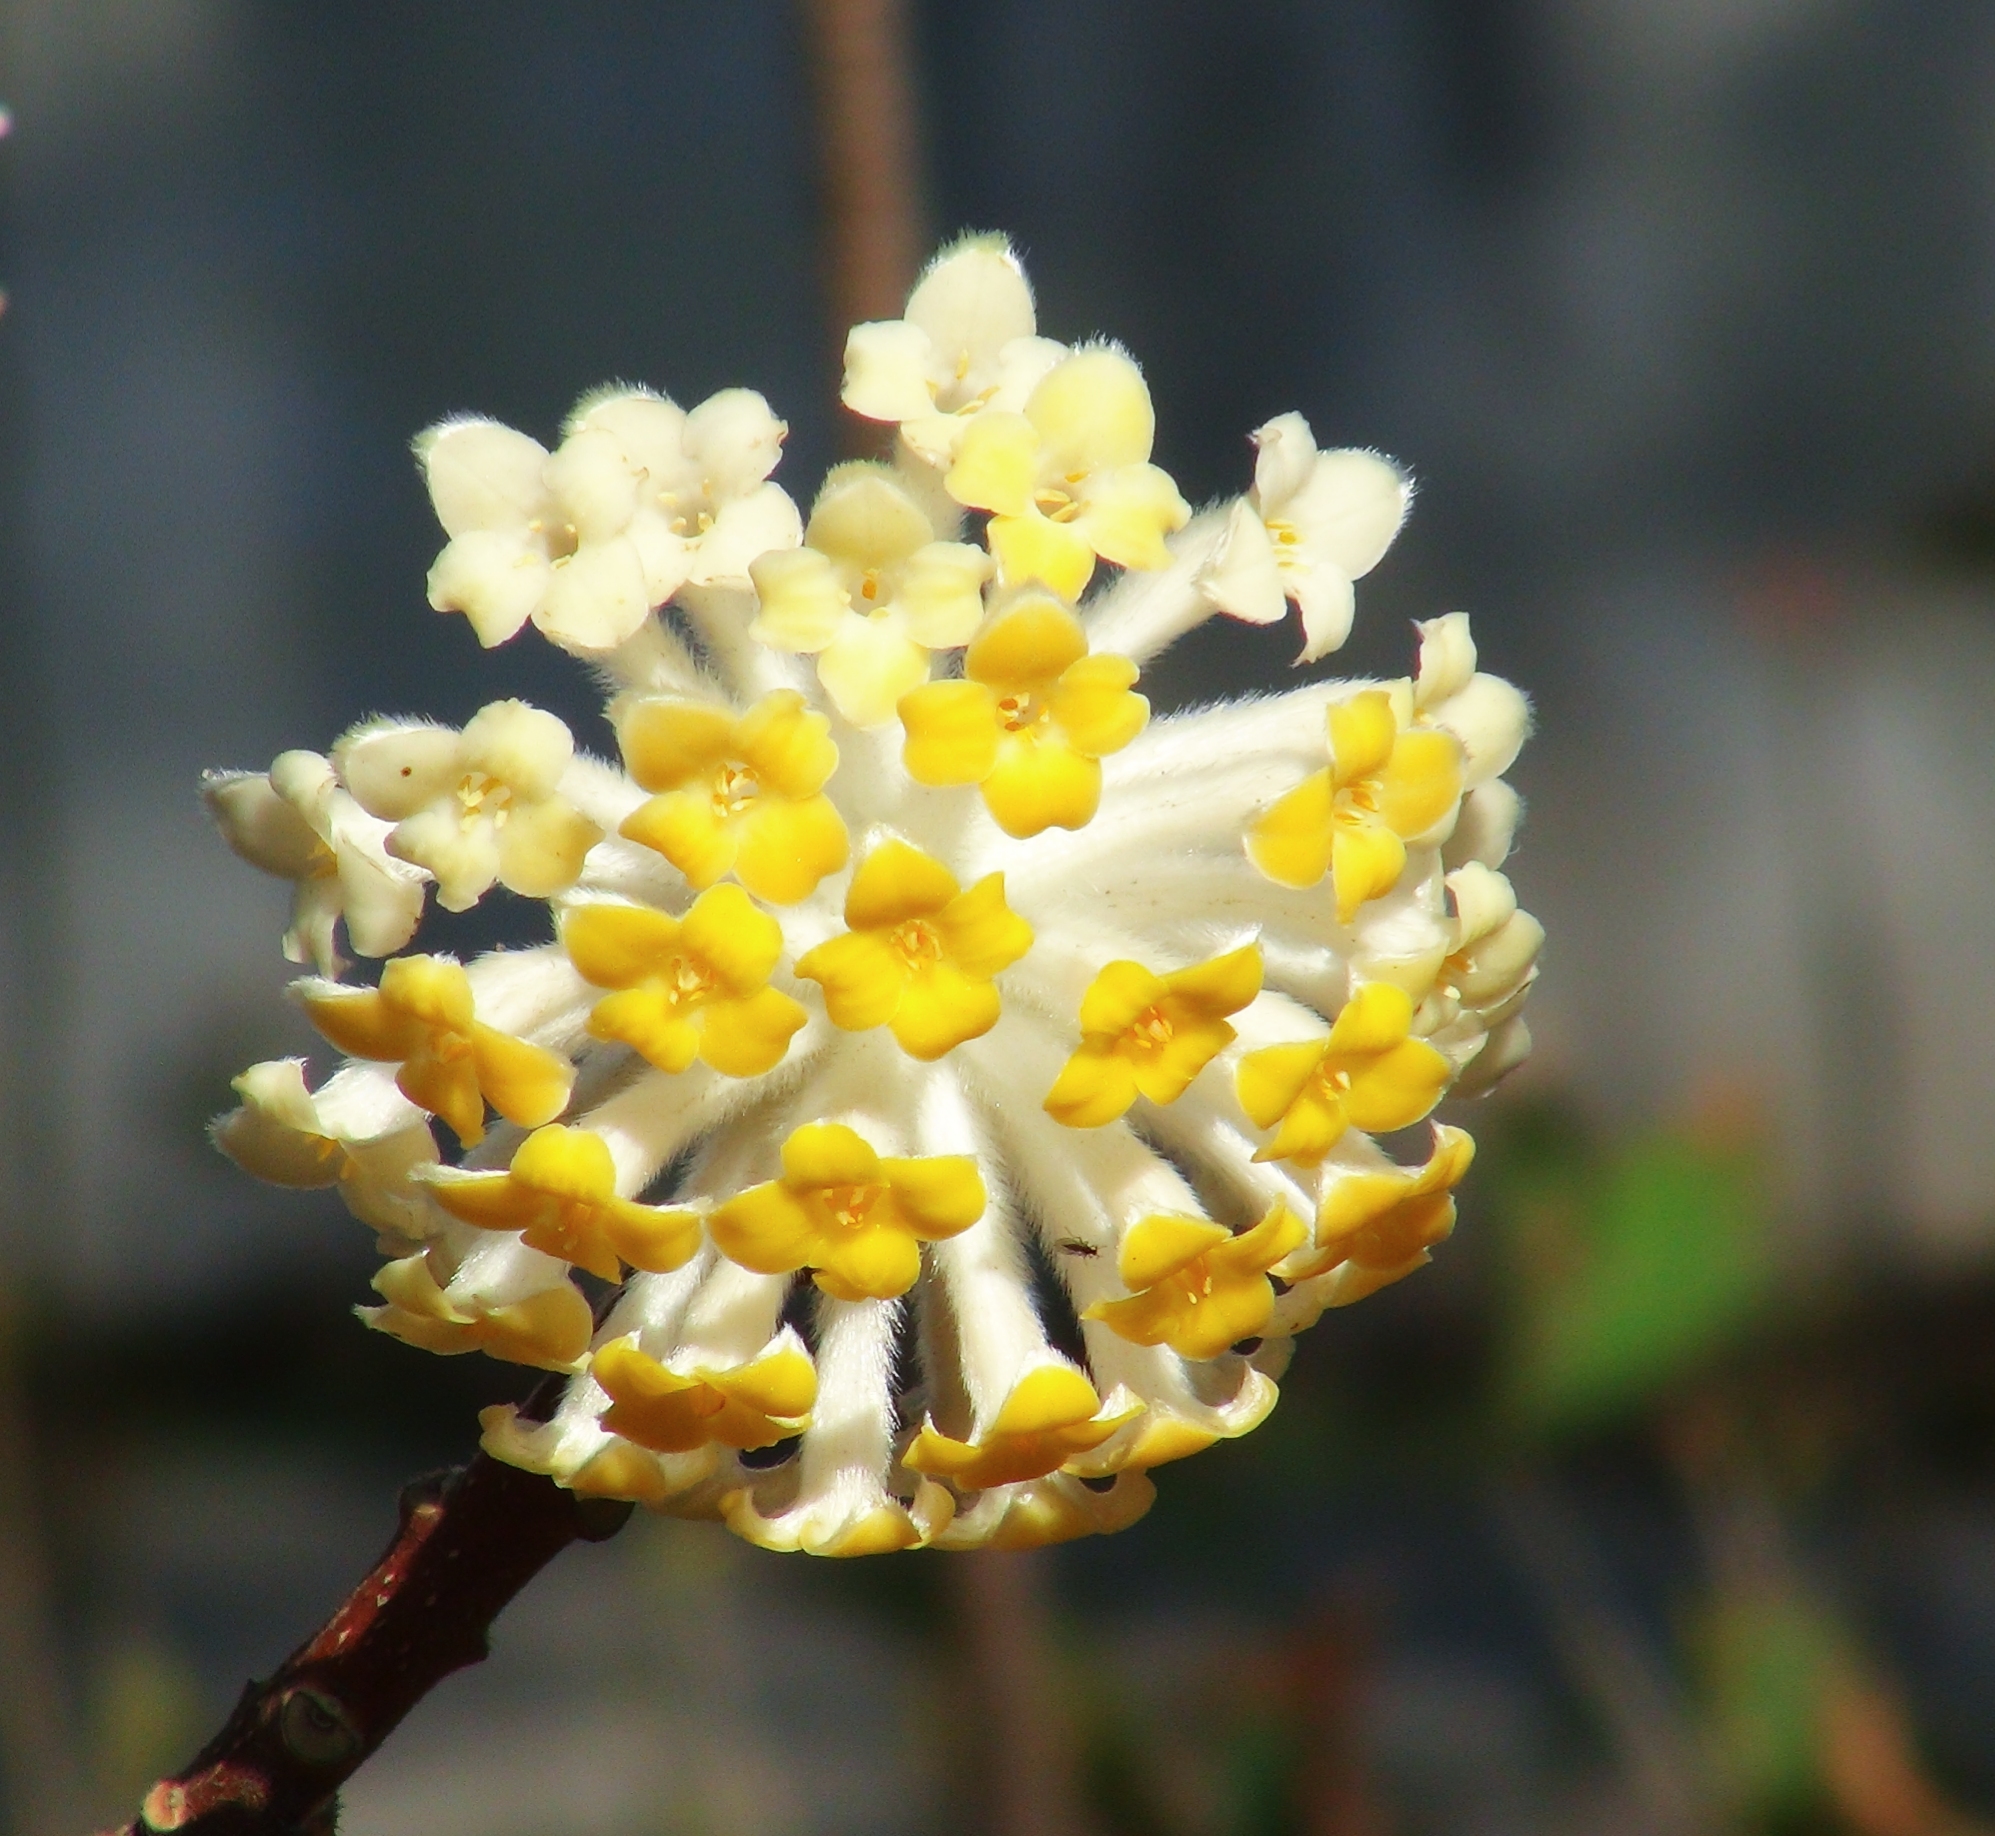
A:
x: 966, y: 342
x: 294, y: 821
x: 474, y: 807
x: 1312, y: 525
x: 640, y: 499
x: 871, y: 592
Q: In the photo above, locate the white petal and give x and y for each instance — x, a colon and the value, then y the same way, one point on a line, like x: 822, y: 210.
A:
x: 1447, y: 658
x: 1484, y: 901
x: 464, y: 856
x: 1242, y: 579
x: 495, y: 579
x: 482, y: 475
x: 1492, y: 720
x: 662, y: 552
x: 1350, y: 508
x: 394, y: 769
x: 868, y: 667
x: 381, y: 900
x: 524, y: 747
x: 973, y: 301
x: 1485, y: 827
x: 1327, y: 601
x: 1284, y: 460
x: 259, y: 825
x: 594, y: 486
x: 649, y: 428
x: 596, y: 598
x: 735, y: 441
x: 886, y: 371
x: 744, y: 530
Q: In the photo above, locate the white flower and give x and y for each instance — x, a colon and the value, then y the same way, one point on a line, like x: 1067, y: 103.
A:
x: 1313, y: 523
x: 846, y: 1028
x: 640, y: 499
x: 295, y: 822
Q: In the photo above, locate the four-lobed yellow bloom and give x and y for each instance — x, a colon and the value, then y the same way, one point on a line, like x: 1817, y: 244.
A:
x: 743, y: 1406
x: 856, y: 1219
x: 1144, y: 1034
x: 560, y: 1195
x: 1051, y: 1415
x: 1029, y: 722
x: 918, y: 953
x: 686, y: 988
x: 736, y: 795
x: 1387, y: 782
x: 1195, y: 1286
x: 1365, y: 1073
x: 1377, y: 1227
x: 452, y: 1064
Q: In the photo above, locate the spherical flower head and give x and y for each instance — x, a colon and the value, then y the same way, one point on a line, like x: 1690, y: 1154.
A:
x: 871, y: 593
x: 1031, y: 720
x: 953, y: 1122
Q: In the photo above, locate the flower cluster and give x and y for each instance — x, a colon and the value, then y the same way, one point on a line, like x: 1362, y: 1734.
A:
x: 948, y: 1088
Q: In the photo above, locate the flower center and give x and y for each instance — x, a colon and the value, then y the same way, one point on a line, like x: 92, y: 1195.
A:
x: 1334, y: 1080
x: 733, y: 790
x: 560, y: 539
x: 869, y: 585
x: 686, y: 981
x: 1021, y: 710
x: 1057, y: 503
x: 849, y: 1205
x: 479, y: 794
x: 1153, y: 1030
x: 1357, y: 804
x: 917, y: 943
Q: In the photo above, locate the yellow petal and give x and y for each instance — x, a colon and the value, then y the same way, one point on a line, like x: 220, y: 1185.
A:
x: 1362, y: 732
x: 1160, y: 1245
x: 1270, y: 1080
x: 1165, y: 1075
x: 997, y: 460
x: 1314, y: 1124
x: 488, y: 1201
x: 1027, y: 647
x: 1119, y: 996
x: 738, y: 941
x: 652, y: 1237
x: 829, y: 1154
x: 782, y: 1383
x: 952, y: 732
x: 1126, y: 513
x: 670, y: 743
x: 1290, y: 841
x: 869, y: 1264
x: 1424, y: 781
x: 542, y: 847
x: 786, y: 745
x: 896, y: 882
x: 1093, y: 410
x: 940, y: 1009
x: 617, y: 946
x: 1374, y: 1019
x: 1399, y: 1088
x: 1220, y: 987
x: 862, y: 977
x: 786, y: 848
x: 1053, y: 1396
x: 1094, y: 1088
x: 1032, y: 547
x: 524, y: 1083
x: 1366, y: 861
x: 647, y: 1021
x: 744, y: 1038
x: 766, y: 1229
x: 1039, y: 784
x: 683, y: 827
x: 801, y: 603
x: 938, y: 1195
x: 359, y: 1024
x: 940, y: 593
x: 980, y: 933
x: 1093, y: 706
x: 868, y: 667
x: 448, y: 1089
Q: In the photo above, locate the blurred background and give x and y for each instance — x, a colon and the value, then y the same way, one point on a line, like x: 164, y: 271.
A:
x: 1665, y: 1501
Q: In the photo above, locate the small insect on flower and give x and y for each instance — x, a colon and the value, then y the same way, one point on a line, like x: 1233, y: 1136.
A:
x: 903, y: 963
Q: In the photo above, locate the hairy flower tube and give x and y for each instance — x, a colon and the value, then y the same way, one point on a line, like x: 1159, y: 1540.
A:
x: 947, y: 1088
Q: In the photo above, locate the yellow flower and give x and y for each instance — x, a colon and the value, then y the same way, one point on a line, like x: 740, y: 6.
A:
x: 1195, y: 1286
x: 735, y: 795
x: 476, y: 806
x: 549, y: 1330
x: 1032, y: 721
x: 1150, y: 1035
x: 918, y: 953
x: 1069, y: 479
x: 1051, y: 1414
x: 748, y: 1405
x: 452, y: 1064
x: 1365, y: 1073
x: 854, y: 1218
x: 1387, y: 783
x: 689, y: 987
x: 560, y: 1194
x: 1373, y: 1228
x: 872, y: 592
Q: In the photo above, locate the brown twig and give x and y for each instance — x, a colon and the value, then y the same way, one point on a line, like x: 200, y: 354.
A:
x: 469, y: 1540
